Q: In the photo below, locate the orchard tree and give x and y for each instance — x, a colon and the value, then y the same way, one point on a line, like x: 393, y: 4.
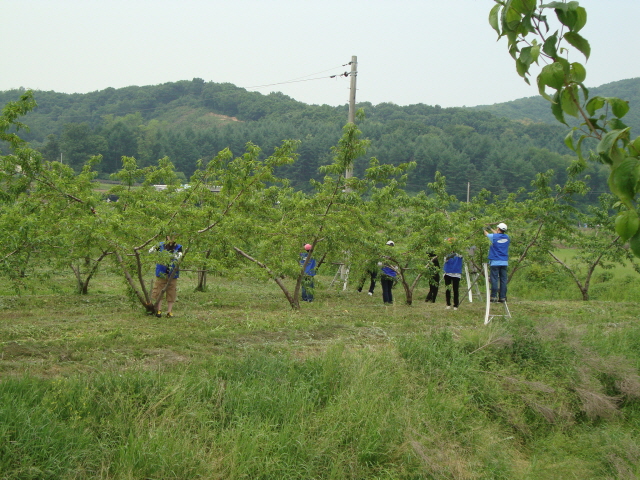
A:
x: 596, y: 246
x: 550, y: 33
x: 419, y: 226
x: 197, y: 216
x: 333, y: 219
x: 40, y: 200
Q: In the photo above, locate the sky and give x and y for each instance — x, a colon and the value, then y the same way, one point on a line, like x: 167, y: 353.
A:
x: 409, y: 51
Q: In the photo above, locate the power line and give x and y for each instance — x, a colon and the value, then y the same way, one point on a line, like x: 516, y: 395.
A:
x: 345, y: 74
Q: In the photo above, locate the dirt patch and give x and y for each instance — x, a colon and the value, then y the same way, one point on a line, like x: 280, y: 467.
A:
x: 222, y: 117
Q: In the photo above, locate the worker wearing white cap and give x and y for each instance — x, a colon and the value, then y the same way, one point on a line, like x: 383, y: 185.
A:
x: 498, y: 261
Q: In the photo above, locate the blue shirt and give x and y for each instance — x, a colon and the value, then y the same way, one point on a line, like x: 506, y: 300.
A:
x: 163, y: 270
x: 310, y: 269
x: 499, y: 249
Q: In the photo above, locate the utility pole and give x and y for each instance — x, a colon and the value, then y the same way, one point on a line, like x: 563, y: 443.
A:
x: 352, y: 102
x: 344, y: 268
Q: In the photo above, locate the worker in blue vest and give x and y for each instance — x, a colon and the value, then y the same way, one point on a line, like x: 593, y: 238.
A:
x: 452, y: 275
x: 167, y: 274
x: 498, y: 261
x: 309, y: 272
x: 388, y: 276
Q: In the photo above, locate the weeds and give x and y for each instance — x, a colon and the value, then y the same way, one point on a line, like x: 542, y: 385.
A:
x: 236, y: 387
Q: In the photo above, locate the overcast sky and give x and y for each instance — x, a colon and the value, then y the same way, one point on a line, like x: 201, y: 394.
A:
x: 409, y: 51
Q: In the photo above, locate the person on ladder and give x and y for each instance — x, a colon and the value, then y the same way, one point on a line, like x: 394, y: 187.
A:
x: 498, y: 261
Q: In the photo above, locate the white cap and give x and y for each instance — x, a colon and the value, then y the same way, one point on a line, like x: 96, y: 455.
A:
x: 502, y: 226
x: 390, y: 242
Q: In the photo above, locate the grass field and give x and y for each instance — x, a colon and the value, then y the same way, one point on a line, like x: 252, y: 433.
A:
x: 239, y: 386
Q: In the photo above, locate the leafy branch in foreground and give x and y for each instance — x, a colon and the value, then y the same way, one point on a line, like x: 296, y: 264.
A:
x: 533, y: 39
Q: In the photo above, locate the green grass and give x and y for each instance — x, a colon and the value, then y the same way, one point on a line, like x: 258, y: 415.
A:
x: 239, y: 386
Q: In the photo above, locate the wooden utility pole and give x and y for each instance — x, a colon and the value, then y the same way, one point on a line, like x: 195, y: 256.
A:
x: 344, y: 268
x: 352, y: 102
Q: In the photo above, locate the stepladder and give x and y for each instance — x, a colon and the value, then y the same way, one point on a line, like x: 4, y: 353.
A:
x: 472, y: 276
x: 501, y: 307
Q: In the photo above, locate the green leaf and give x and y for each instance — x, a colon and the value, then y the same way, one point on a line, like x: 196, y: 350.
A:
x: 634, y: 147
x: 541, y: 89
x: 556, y: 108
x: 524, y: 6
x: 609, y: 142
x: 616, y: 124
x: 579, y: 42
x: 623, y: 180
x: 557, y: 5
x: 567, y: 14
x: 535, y: 53
x: 552, y: 75
x: 550, y: 45
x: 522, y: 69
x: 568, y: 139
x: 568, y: 101
x: 618, y: 107
x: 578, y: 72
x: 627, y: 224
x: 582, y: 19
x: 511, y: 18
x: 596, y: 103
x: 494, y: 18
x: 634, y: 243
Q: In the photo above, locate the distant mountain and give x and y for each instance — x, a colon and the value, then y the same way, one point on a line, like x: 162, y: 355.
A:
x: 190, y: 120
x: 537, y: 109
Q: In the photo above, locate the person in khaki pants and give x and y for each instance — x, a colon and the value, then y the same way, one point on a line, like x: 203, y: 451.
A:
x: 167, y: 274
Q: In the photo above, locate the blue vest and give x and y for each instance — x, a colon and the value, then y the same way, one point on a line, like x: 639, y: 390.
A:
x: 453, y: 264
x: 499, y: 249
x: 388, y: 271
x: 310, y: 269
x: 163, y: 270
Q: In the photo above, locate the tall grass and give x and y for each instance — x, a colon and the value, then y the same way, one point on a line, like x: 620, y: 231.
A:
x: 238, y: 386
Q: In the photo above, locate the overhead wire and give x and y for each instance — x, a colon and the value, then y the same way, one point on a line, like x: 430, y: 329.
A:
x: 304, y: 79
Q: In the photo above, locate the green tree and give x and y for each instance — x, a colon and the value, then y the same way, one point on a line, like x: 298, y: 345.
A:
x: 79, y: 144
x: 51, y: 149
x: 532, y: 37
x: 597, y: 246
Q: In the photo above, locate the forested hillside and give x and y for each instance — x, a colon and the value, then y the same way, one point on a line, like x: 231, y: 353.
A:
x: 191, y: 120
x: 537, y: 109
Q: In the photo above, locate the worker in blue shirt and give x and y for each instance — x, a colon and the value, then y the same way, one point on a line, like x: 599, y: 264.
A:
x: 452, y: 275
x: 309, y: 273
x: 498, y: 261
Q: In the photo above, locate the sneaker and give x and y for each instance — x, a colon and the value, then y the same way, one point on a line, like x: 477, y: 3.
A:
x: 494, y: 300
x: 448, y: 307
x: 159, y: 314
x: 502, y: 300
x: 455, y: 308
x: 370, y: 294
x: 169, y: 315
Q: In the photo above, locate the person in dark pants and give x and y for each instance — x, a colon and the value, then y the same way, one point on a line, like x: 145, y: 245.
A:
x: 452, y: 275
x: 434, y: 281
x: 309, y: 273
x: 498, y: 261
x: 371, y: 273
x: 387, y: 279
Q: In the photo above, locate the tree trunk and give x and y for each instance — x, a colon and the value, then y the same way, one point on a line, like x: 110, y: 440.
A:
x: 293, y: 299
x: 202, y: 275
